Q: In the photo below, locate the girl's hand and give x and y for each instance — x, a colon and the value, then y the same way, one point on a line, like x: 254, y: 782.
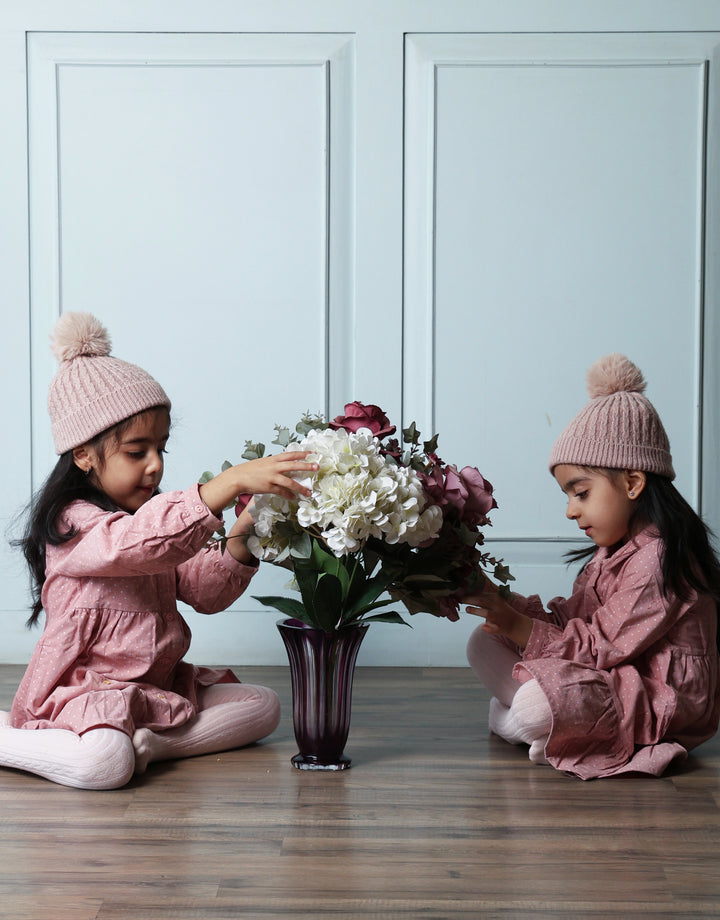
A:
x: 236, y: 544
x: 272, y: 474
x: 268, y: 474
x: 500, y: 618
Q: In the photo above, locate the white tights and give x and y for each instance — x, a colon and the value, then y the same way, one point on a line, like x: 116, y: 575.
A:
x: 519, y: 713
x: 230, y: 716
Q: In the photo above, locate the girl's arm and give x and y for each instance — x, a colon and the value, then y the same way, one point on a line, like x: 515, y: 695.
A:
x: 212, y: 580
x: 163, y: 533
x: 171, y: 527
x: 209, y: 582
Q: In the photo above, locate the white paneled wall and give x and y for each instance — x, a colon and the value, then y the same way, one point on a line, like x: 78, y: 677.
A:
x: 554, y: 212
x: 448, y: 209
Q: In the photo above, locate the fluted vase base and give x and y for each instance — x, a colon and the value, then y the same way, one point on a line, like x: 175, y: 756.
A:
x: 305, y: 762
x: 322, y: 667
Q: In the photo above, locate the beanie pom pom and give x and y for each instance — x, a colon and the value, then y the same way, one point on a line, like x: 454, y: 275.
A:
x: 79, y: 334
x: 614, y: 374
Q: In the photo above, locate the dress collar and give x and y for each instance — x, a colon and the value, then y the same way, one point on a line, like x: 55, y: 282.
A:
x: 648, y: 535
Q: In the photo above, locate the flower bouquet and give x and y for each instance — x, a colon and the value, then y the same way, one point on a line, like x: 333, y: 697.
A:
x: 384, y: 518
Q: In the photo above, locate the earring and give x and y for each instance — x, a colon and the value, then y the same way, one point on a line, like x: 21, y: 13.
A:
x: 631, y: 494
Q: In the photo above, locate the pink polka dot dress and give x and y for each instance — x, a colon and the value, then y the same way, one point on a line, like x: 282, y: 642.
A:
x: 631, y: 675
x: 112, y: 650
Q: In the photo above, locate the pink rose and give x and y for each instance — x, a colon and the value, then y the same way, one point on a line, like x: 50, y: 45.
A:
x: 455, y: 491
x: 466, y: 492
x: 358, y: 415
x: 480, y: 499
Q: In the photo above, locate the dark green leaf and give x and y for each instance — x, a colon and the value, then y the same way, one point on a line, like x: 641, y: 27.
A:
x: 502, y: 573
x: 327, y: 601
x: 371, y: 590
x: 343, y: 577
x: 306, y: 577
x: 287, y: 605
x: 360, y: 612
x: 425, y: 582
x: 389, y: 617
x: 410, y: 434
x: 430, y: 447
x: 323, y: 560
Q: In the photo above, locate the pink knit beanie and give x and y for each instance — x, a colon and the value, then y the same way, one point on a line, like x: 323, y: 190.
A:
x: 92, y: 391
x: 619, y: 428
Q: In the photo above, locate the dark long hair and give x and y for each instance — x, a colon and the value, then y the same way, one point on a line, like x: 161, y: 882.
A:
x: 65, y: 484
x: 689, y: 561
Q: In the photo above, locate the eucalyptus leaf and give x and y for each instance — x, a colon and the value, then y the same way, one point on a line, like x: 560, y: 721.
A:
x: 253, y: 451
x: 283, y: 436
x: 282, y: 556
x: 301, y: 546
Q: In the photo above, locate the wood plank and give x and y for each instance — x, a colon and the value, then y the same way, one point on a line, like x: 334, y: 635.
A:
x: 436, y: 819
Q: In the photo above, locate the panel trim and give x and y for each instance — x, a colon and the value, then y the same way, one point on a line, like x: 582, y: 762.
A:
x: 710, y: 495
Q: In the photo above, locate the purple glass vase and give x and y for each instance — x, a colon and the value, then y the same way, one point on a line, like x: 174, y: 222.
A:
x: 322, y: 666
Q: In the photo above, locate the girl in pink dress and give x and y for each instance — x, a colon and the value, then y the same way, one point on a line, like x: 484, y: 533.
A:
x: 107, y: 689
x: 622, y: 676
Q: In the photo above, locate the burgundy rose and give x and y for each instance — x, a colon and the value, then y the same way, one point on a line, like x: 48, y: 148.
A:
x: 242, y: 502
x: 392, y: 448
x: 358, y: 415
x: 448, y: 607
x: 433, y: 483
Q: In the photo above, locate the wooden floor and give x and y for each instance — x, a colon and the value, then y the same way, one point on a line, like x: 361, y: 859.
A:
x: 436, y: 819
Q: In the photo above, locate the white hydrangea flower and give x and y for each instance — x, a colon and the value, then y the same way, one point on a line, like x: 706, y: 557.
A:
x: 357, y: 494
